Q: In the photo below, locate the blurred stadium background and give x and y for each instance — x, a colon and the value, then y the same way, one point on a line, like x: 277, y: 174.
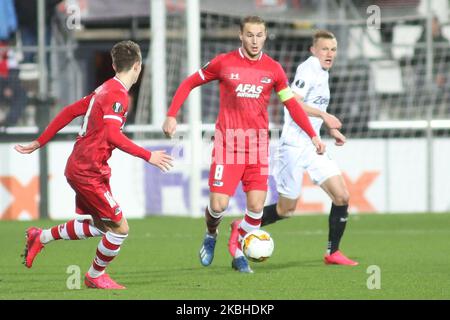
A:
x: 389, y: 86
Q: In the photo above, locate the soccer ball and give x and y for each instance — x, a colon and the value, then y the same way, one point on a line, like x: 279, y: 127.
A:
x: 257, y: 245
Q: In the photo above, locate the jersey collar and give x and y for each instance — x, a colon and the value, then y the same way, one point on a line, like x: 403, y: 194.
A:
x: 316, y: 64
x: 241, y: 53
x: 120, y: 81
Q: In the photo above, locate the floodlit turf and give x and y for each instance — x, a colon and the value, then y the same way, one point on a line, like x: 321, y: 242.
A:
x: 159, y: 261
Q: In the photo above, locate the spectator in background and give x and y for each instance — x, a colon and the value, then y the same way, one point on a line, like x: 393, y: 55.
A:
x: 12, y: 92
x: 441, y: 58
x: 27, y: 21
x: 8, y: 19
x: 434, y: 94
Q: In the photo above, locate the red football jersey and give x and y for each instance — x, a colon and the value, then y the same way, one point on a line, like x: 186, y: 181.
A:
x: 104, y: 112
x: 90, y: 154
x: 245, y: 88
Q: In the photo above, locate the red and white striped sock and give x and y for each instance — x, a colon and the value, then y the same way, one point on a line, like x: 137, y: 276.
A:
x: 251, y: 221
x: 107, y: 250
x: 71, y: 230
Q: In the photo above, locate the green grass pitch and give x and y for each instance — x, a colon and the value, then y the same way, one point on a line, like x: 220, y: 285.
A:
x: 159, y: 261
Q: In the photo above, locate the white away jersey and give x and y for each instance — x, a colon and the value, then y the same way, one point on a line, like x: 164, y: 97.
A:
x: 310, y: 82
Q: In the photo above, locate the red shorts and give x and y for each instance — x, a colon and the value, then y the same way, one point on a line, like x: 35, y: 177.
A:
x: 96, y: 200
x: 224, y: 178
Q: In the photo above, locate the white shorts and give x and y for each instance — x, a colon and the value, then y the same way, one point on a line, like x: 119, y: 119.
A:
x: 290, y: 164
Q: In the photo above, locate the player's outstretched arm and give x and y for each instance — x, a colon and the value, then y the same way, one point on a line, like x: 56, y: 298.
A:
x: 29, y: 148
x: 186, y: 86
x: 161, y: 160
x: 115, y: 137
x: 63, y: 118
x: 209, y: 72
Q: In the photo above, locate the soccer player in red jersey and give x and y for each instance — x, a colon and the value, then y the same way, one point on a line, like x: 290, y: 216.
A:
x: 296, y: 156
x: 87, y: 171
x: 246, y: 78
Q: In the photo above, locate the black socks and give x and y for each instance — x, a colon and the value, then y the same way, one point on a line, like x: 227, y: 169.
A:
x: 337, y: 222
x: 270, y: 215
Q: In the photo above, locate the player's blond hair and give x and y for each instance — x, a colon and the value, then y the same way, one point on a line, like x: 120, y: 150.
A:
x: 125, y: 54
x: 322, y: 34
x: 252, y: 19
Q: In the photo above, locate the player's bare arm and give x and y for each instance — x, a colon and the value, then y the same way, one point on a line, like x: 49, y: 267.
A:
x: 338, y: 137
x: 187, y: 85
x: 331, y: 121
x: 320, y: 146
x: 170, y: 126
x: 64, y: 117
x: 161, y: 160
x: 29, y: 148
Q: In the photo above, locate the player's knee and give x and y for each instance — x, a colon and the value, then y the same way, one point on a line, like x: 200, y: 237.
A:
x: 99, y: 224
x: 124, y: 230
x: 285, y: 209
x: 286, y: 206
x: 253, y: 207
x: 120, y: 227
x: 218, y: 206
x: 342, y: 198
